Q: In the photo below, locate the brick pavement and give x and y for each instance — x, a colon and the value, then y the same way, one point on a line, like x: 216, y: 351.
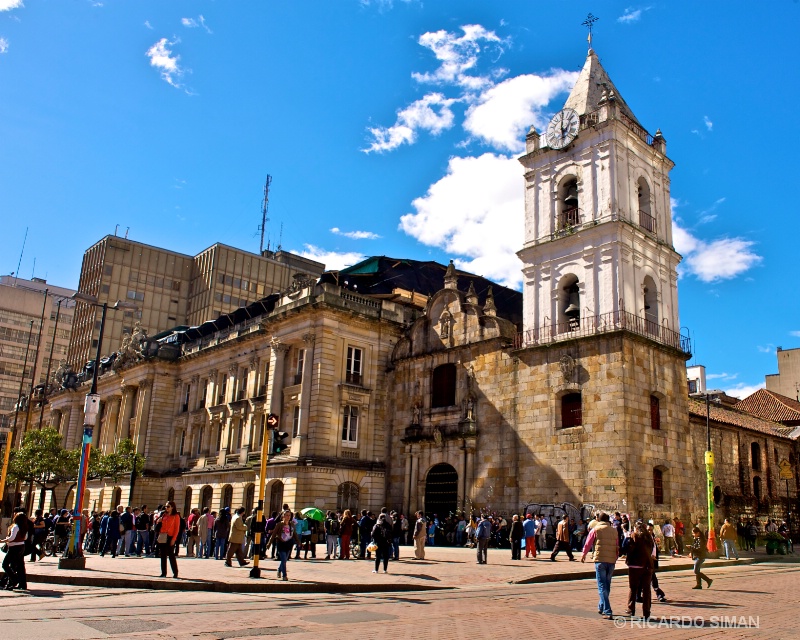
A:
x: 765, y: 592
x: 444, y: 567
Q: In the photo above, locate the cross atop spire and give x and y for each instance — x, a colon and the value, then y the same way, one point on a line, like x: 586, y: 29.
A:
x: 590, y: 20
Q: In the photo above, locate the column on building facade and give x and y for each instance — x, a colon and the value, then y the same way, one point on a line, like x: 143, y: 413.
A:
x: 462, y: 475
x: 300, y: 442
x: 469, y: 476
x: 108, y: 442
x: 413, y: 482
x: 65, y: 424
x: 194, y: 392
x: 211, y: 388
x: 277, y: 359
x: 142, y: 414
x: 125, y: 412
x: 407, y: 483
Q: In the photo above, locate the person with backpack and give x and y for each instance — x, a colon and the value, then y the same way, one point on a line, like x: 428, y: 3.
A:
x: 382, y: 539
x: 483, y: 534
x: 331, y: 534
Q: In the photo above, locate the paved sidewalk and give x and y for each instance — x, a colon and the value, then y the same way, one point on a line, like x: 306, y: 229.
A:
x: 443, y: 568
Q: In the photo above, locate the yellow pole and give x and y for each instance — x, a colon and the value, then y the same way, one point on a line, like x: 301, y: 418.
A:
x: 266, y: 434
x: 6, y: 459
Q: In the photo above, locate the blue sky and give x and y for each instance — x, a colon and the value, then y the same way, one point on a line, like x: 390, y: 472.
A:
x: 392, y: 127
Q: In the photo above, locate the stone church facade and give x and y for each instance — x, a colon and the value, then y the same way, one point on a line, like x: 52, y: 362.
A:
x: 443, y: 391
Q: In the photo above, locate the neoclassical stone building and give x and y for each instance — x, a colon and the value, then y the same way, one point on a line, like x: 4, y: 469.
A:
x: 412, y: 385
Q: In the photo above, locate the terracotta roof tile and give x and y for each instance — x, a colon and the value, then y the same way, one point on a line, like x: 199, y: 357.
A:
x: 771, y: 406
x: 737, y: 418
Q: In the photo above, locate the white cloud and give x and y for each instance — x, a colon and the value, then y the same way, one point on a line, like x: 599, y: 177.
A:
x: 162, y: 58
x: 191, y: 23
x: 3, y: 45
x: 457, y: 55
x: 148, y: 25
x: 796, y: 334
x: 631, y: 15
x: 708, y: 123
x: 743, y: 390
x: 333, y: 260
x: 7, y: 5
x: 767, y: 348
x: 722, y: 376
x: 472, y: 211
x: 720, y: 259
x: 355, y: 235
x: 430, y: 113
x: 503, y: 113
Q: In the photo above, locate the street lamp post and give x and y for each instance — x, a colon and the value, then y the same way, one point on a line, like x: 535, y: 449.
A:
x: 73, y: 555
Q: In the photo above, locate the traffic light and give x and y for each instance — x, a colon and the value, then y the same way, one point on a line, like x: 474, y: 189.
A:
x: 279, y: 443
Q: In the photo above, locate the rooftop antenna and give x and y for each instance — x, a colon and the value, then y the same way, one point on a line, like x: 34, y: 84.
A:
x: 24, y: 240
x: 280, y: 239
x: 588, y: 23
x: 116, y: 229
x: 264, y: 209
x: 126, y: 232
x: 33, y: 271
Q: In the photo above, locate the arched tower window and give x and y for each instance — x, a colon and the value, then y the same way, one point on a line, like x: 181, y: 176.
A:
x: 650, y: 306
x: 569, y: 305
x: 568, y: 209
x: 443, y: 386
x: 646, y: 218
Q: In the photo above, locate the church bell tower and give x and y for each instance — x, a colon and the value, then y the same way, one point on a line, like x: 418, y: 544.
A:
x: 598, y: 233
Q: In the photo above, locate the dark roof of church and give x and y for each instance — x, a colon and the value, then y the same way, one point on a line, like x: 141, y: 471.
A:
x: 737, y: 418
x: 381, y: 275
x: 771, y: 406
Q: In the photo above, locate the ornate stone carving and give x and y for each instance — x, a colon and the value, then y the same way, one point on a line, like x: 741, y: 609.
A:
x: 567, y: 366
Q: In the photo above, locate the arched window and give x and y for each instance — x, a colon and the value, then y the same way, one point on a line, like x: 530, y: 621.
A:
x: 755, y: 456
x: 171, y: 495
x: 650, y: 306
x: 658, y: 486
x: 249, y: 497
x: 347, y: 496
x: 276, y: 497
x: 757, y: 488
x: 571, y: 410
x: 187, y: 502
x: 205, y: 496
x: 646, y: 219
x: 568, y: 209
x: 227, y: 496
x: 116, y: 497
x: 655, y: 413
x: 569, y: 304
x: 443, y: 386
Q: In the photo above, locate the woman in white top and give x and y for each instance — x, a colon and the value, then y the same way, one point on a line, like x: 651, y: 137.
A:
x: 14, y: 562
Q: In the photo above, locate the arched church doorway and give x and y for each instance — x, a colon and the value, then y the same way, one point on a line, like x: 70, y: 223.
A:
x: 441, y: 490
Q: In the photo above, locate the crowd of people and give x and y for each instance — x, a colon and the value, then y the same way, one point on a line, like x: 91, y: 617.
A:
x: 227, y: 534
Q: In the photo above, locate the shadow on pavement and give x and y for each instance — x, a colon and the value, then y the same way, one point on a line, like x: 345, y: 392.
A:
x: 421, y: 576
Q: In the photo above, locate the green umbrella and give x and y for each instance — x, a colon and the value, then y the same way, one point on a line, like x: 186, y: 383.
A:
x: 313, y: 513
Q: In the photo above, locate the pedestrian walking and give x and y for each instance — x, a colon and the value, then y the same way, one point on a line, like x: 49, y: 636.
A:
x: 285, y: 538
x: 111, y: 534
x: 562, y: 540
x: 381, y: 537
x: 679, y: 533
x: 397, y: 534
x: 517, y: 535
x: 482, y: 536
x: 204, y: 533
x: 654, y: 579
x: 14, y: 562
x: 331, y: 525
x: 236, y: 539
x: 752, y: 535
x: 169, y: 529
x: 193, y: 546
x: 529, y: 528
x: 640, y: 569
x: 699, y: 553
x: 222, y: 528
x: 603, y: 542
x: 542, y: 534
x: 669, y: 538
x: 728, y: 535
x: 419, y: 535
x: 38, y: 536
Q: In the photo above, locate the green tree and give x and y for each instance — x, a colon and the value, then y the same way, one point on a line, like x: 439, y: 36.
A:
x: 122, y: 461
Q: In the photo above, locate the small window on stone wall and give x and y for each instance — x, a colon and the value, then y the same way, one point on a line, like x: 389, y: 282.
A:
x: 755, y: 456
x: 571, y: 410
x: 658, y: 486
x: 443, y: 386
x: 655, y: 413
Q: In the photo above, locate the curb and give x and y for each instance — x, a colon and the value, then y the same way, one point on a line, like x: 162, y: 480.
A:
x: 623, y: 571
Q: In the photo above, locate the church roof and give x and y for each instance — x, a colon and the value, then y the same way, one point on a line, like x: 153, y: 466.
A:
x: 771, y: 406
x: 382, y: 275
x: 592, y: 83
x: 737, y: 418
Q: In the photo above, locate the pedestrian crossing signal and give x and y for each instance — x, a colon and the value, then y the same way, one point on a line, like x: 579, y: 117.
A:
x: 279, y: 443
